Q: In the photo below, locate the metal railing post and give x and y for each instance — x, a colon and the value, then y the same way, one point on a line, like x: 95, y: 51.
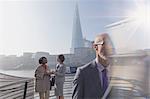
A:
x: 25, y: 90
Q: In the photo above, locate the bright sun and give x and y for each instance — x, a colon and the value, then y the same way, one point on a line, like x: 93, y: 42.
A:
x: 142, y: 15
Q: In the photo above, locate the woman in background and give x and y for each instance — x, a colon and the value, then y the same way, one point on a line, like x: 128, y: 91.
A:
x: 60, y: 77
x: 42, y: 75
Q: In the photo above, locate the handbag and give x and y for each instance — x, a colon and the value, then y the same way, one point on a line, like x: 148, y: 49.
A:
x: 52, y: 81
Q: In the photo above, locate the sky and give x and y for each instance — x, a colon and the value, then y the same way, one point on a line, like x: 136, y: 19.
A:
x: 46, y: 25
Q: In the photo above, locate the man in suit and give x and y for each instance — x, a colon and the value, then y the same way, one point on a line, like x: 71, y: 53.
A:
x: 91, y: 80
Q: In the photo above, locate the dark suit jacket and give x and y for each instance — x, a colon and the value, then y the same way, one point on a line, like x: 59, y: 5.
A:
x: 87, y: 84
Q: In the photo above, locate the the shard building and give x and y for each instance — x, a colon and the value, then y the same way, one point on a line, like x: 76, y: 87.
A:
x: 77, y: 38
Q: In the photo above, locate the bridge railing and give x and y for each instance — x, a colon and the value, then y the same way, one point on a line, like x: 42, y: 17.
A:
x: 19, y: 88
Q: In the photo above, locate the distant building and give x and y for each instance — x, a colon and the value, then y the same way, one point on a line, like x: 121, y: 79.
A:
x: 28, y: 54
x: 87, y: 43
x: 12, y: 56
x: 36, y: 56
x: 77, y: 38
x: 81, y: 49
x: 2, y: 56
x: 40, y: 54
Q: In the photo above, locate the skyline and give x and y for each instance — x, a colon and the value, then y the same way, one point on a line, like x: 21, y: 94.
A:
x: 47, y: 25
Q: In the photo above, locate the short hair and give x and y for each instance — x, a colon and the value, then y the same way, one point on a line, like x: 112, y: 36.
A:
x: 41, y: 60
x: 61, y: 57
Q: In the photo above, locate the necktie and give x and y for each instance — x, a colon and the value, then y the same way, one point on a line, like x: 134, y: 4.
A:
x: 105, y: 79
